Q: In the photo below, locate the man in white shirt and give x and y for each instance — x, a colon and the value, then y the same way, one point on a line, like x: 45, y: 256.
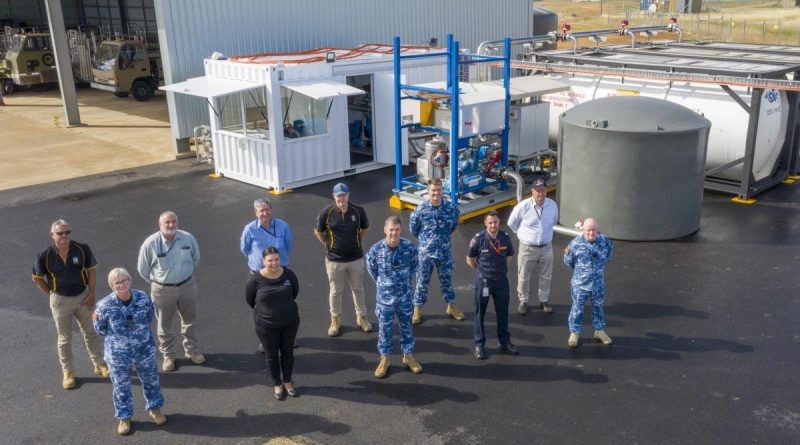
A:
x: 533, y: 221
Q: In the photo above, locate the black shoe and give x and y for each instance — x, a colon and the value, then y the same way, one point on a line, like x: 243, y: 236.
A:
x: 509, y: 349
x: 545, y: 306
x: 279, y: 395
x: 522, y: 308
x: 480, y: 354
x: 293, y: 392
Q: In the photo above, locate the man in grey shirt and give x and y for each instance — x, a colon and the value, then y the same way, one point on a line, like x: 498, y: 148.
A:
x: 167, y: 260
x: 533, y: 221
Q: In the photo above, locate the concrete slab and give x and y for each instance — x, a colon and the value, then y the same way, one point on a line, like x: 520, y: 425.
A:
x: 116, y: 134
x: 707, y: 343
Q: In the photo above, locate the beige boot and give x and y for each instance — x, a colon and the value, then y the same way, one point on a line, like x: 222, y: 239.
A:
x: 69, y: 380
x: 416, y: 318
x: 101, y: 370
x: 124, y: 427
x: 455, y: 312
x: 168, y: 365
x: 363, y: 323
x: 336, y: 325
x: 158, y: 418
x: 573, y: 340
x: 383, y: 367
x: 602, y: 337
x: 196, y: 357
x: 412, y: 363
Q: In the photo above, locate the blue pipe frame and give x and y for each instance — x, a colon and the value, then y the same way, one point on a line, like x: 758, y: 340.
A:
x: 454, y: 61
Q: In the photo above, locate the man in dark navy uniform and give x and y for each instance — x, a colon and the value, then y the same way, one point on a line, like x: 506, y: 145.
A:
x: 489, y: 254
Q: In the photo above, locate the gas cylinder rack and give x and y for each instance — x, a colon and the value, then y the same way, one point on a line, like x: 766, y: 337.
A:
x: 473, y: 163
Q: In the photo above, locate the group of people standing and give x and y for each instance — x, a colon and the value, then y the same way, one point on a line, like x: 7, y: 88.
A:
x: 66, y: 271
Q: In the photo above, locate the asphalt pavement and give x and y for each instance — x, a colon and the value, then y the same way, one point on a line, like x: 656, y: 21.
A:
x: 706, y: 339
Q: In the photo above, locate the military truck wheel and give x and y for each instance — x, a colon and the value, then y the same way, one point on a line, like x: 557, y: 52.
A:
x: 121, y: 94
x: 8, y: 86
x: 142, y: 91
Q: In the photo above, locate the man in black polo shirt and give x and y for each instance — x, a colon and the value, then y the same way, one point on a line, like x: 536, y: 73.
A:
x: 66, y: 272
x: 340, y: 227
x: 489, y: 254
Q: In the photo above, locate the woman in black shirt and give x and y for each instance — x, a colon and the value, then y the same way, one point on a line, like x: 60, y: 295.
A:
x: 271, y: 293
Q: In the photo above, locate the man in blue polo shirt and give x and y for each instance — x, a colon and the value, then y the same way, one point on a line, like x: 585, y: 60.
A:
x: 490, y: 252
x: 67, y: 271
x: 265, y: 231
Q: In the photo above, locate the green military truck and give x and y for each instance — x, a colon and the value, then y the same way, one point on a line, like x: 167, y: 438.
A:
x: 29, y: 62
x: 126, y: 67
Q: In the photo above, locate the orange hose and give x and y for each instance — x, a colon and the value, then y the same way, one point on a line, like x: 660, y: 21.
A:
x: 319, y: 54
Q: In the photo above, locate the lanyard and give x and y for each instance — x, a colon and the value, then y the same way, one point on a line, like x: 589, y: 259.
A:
x: 538, y: 213
x: 274, y: 231
x: 495, y: 248
x: 160, y: 253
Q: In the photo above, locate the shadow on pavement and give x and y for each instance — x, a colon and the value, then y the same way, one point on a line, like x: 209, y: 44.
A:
x: 245, y: 425
x: 411, y: 394
x: 646, y: 310
x: 522, y: 372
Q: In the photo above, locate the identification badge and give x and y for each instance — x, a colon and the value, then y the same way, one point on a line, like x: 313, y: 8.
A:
x: 485, y: 290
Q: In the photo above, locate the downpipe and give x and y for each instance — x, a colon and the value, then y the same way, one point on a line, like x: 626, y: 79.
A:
x: 513, y: 176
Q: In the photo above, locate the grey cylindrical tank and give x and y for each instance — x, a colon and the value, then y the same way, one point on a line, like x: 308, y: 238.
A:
x: 544, y: 21
x: 635, y: 164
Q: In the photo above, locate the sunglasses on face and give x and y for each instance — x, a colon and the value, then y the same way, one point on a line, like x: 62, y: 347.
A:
x: 64, y: 232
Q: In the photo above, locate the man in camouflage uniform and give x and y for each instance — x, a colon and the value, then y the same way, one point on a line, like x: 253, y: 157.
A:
x: 433, y: 223
x: 392, y: 262
x: 125, y: 324
x: 587, y: 256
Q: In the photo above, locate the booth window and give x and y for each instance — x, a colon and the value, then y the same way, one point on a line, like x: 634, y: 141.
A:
x: 303, y: 115
x: 245, y: 113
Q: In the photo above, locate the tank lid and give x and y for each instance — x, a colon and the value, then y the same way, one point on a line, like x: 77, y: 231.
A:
x: 634, y: 114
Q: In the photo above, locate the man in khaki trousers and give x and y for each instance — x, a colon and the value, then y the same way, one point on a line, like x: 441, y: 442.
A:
x: 66, y: 272
x: 340, y: 227
x: 167, y: 260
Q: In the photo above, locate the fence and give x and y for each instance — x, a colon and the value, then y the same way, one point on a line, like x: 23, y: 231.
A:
x: 722, y: 29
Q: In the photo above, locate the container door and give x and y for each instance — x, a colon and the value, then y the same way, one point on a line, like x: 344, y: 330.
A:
x: 384, y: 145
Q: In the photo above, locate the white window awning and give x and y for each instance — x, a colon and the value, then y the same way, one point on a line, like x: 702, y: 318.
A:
x: 531, y: 86
x: 319, y: 89
x: 210, y: 87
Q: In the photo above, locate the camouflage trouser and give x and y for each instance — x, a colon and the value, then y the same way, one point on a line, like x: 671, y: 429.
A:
x: 120, y: 363
x: 425, y: 271
x: 385, y: 316
x: 579, y: 298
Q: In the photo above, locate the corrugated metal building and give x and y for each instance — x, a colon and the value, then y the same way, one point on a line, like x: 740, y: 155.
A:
x: 191, y: 31
x: 111, y: 15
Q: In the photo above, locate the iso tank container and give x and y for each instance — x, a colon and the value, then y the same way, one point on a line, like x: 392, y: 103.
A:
x: 726, y: 142
x: 635, y: 164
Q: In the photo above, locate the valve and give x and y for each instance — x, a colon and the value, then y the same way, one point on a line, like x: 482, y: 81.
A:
x: 623, y: 27
x: 440, y: 158
x: 565, y: 28
x: 673, y: 24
